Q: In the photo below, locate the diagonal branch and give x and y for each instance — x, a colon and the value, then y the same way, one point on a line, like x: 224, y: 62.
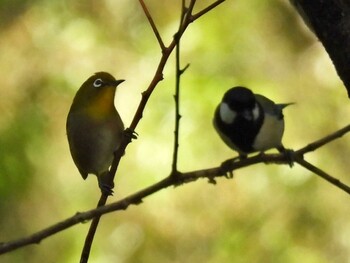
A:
x: 317, y: 144
x: 207, y: 9
x: 323, y: 175
x: 85, y: 253
x: 182, y: 178
x: 153, y: 25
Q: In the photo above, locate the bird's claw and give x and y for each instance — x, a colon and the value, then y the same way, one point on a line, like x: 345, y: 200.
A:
x: 130, y: 134
x: 106, y: 184
x: 226, y: 167
x: 211, y: 180
x: 106, y: 189
x: 289, y: 155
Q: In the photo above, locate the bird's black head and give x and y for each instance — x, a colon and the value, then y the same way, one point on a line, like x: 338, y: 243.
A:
x: 103, y: 79
x: 239, y: 99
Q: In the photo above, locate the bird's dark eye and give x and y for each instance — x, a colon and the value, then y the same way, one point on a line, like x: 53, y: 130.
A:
x: 98, y: 83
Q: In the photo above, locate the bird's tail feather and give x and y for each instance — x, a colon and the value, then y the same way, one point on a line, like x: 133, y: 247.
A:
x: 283, y: 105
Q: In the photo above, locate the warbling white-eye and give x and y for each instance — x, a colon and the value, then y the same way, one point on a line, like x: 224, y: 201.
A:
x: 94, y: 128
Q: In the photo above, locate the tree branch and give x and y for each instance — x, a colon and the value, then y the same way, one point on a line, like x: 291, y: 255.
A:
x: 317, y: 144
x: 84, y: 257
x: 178, y: 73
x: 330, y: 21
x: 166, y: 51
x: 207, y: 9
x: 323, y: 175
x: 153, y: 25
x: 182, y: 178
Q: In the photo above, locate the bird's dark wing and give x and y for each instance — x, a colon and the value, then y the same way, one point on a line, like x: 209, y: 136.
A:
x: 270, y: 107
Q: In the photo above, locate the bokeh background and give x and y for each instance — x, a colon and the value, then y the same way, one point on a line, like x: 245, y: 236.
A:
x: 267, y: 213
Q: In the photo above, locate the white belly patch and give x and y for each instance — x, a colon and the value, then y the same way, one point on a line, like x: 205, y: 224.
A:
x: 270, y: 134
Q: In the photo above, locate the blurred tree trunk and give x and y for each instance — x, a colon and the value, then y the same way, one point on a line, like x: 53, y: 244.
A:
x: 330, y: 21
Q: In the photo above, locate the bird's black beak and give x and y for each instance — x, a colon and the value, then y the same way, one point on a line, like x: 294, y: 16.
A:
x: 117, y: 82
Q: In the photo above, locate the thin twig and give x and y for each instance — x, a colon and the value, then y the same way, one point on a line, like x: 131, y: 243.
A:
x: 323, y: 175
x: 317, y: 144
x: 207, y: 9
x: 190, y: 8
x: 84, y: 257
x: 178, y: 73
x: 158, y: 76
x: 153, y: 25
x: 177, y: 111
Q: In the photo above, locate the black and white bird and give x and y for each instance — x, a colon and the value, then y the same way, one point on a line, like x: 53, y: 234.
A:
x: 249, y: 122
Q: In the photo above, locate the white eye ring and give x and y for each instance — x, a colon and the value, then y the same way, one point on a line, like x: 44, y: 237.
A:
x: 98, y: 83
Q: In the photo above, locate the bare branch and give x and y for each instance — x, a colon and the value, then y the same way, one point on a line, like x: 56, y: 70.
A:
x: 207, y: 9
x: 84, y: 257
x: 153, y: 25
x: 323, y: 175
x: 179, y: 179
x: 317, y: 144
x: 178, y: 73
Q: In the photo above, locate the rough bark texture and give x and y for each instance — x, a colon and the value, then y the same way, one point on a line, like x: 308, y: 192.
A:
x: 330, y: 21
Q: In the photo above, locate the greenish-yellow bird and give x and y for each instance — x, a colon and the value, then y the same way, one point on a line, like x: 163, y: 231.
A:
x: 94, y: 128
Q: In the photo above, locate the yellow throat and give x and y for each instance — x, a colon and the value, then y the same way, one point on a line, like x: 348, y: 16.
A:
x: 103, y: 104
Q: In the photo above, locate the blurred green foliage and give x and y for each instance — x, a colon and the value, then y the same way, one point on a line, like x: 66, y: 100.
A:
x: 265, y: 214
